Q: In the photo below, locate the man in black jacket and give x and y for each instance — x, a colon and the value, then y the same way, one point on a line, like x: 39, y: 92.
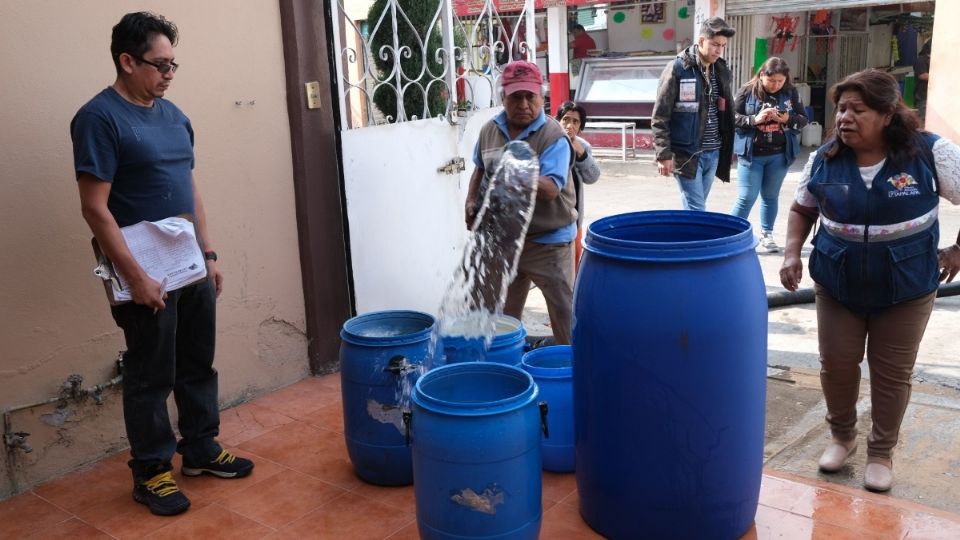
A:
x: 693, y: 116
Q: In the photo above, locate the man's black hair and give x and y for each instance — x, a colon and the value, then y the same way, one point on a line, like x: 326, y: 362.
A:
x: 577, y: 27
x: 135, y: 32
x: 715, y: 26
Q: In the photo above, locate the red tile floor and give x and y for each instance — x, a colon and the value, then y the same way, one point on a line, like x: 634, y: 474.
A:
x: 303, y: 487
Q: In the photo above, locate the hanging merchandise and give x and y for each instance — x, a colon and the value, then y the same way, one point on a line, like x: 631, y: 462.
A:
x: 821, y: 24
x: 784, y: 29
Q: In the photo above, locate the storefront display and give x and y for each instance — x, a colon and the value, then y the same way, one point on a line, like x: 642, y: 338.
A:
x: 621, y: 88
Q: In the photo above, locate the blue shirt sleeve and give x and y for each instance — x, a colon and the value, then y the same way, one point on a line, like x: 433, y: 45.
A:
x: 555, y: 162
x: 95, y: 146
x: 476, y: 156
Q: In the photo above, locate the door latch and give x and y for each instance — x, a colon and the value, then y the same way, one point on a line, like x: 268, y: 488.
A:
x: 453, y: 166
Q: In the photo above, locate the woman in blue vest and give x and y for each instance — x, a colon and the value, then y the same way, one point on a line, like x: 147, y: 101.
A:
x: 768, y: 116
x: 875, y: 188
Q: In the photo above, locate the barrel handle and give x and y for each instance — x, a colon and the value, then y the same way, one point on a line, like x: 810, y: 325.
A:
x: 543, y: 419
x: 407, y: 418
x: 398, y: 365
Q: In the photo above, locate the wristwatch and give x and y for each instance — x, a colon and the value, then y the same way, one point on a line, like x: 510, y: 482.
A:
x: 210, y: 255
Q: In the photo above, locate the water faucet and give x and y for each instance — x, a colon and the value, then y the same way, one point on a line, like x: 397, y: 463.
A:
x: 18, y: 440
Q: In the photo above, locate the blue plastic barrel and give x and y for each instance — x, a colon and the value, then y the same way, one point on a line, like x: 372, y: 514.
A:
x: 378, y: 355
x: 476, y: 452
x: 670, y: 342
x: 506, y: 348
x: 552, y: 370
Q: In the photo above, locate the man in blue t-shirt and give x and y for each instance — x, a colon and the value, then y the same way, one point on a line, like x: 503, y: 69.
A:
x: 133, y: 156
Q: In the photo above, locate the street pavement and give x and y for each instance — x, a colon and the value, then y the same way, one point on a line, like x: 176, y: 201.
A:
x: 927, y: 462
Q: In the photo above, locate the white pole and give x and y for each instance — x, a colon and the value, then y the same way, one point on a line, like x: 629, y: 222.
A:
x: 531, y: 36
x: 336, y: 13
x: 446, y: 29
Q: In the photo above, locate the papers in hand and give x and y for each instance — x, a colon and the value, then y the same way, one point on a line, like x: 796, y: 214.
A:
x: 167, y: 250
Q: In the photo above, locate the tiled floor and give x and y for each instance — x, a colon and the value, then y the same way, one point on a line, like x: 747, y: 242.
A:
x: 303, y: 487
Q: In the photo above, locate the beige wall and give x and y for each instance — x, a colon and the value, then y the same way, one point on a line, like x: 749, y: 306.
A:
x: 55, y: 320
x: 943, y: 108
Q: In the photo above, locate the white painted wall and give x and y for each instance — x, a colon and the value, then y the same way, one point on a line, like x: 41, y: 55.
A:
x: 943, y: 108
x: 633, y: 35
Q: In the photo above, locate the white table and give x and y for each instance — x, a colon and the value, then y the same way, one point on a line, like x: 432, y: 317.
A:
x: 623, y: 127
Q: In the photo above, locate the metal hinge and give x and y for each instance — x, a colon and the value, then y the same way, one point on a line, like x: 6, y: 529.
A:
x: 453, y: 166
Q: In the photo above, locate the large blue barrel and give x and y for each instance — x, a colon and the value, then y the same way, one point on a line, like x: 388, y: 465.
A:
x: 552, y: 370
x: 506, y: 347
x: 476, y: 453
x: 377, y: 357
x: 670, y: 349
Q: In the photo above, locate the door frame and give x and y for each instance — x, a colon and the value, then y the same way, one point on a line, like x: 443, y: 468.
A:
x: 318, y: 183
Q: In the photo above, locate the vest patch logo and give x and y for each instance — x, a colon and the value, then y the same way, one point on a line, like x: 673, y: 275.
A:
x: 904, y: 184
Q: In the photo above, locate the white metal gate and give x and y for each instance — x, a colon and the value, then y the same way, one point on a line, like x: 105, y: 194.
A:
x: 406, y: 169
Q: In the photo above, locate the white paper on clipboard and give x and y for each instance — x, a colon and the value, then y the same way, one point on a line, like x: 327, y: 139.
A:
x: 166, y: 250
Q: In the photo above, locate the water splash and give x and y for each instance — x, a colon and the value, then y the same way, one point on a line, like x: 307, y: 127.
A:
x: 474, y: 299
x: 473, y: 302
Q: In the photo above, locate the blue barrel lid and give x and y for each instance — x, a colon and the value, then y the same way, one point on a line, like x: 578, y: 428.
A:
x: 552, y: 362
x: 475, y: 389
x: 669, y: 236
x: 384, y: 328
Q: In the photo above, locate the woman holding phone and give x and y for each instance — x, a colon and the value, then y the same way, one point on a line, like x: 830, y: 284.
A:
x: 768, y: 115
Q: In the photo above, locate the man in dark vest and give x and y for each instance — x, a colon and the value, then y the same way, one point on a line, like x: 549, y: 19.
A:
x: 692, y: 120
x: 547, y: 257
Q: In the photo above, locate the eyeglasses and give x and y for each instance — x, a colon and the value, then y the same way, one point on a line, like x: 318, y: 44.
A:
x: 163, y: 67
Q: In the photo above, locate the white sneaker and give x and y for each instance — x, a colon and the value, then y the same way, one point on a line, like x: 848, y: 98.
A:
x: 767, y: 243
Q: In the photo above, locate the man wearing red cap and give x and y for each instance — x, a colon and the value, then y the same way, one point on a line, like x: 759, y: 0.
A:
x: 547, y: 257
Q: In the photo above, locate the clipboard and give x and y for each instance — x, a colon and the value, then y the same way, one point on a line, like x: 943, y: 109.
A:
x: 187, y: 248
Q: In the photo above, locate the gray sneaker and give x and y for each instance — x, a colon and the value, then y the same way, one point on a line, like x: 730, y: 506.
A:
x: 767, y: 243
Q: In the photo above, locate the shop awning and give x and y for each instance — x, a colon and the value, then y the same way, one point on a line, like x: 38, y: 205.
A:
x: 467, y: 8
x: 755, y: 7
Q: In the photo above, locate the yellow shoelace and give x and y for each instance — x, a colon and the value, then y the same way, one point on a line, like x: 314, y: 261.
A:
x: 224, y: 458
x: 162, y: 484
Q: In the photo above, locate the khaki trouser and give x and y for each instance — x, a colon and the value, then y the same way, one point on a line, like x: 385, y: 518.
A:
x: 891, y: 339
x: 550, y: 267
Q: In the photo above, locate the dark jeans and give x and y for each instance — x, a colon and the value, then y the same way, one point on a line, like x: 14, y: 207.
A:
x: 170, y: 350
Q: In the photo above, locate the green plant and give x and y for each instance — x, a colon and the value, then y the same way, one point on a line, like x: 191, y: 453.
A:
x: 413, y: 35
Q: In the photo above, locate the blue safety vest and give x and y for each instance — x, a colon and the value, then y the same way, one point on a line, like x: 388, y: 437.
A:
x: 685, y: 118
x: 877, y: 247
x: 743, y: 138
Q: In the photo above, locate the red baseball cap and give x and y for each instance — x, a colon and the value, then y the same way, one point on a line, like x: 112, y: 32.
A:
x: 521, y: 75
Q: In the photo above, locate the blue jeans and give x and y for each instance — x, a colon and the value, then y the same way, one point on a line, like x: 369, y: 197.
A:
x: 694, y: 191
x: 171, y: 350
x: 762, y: 175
